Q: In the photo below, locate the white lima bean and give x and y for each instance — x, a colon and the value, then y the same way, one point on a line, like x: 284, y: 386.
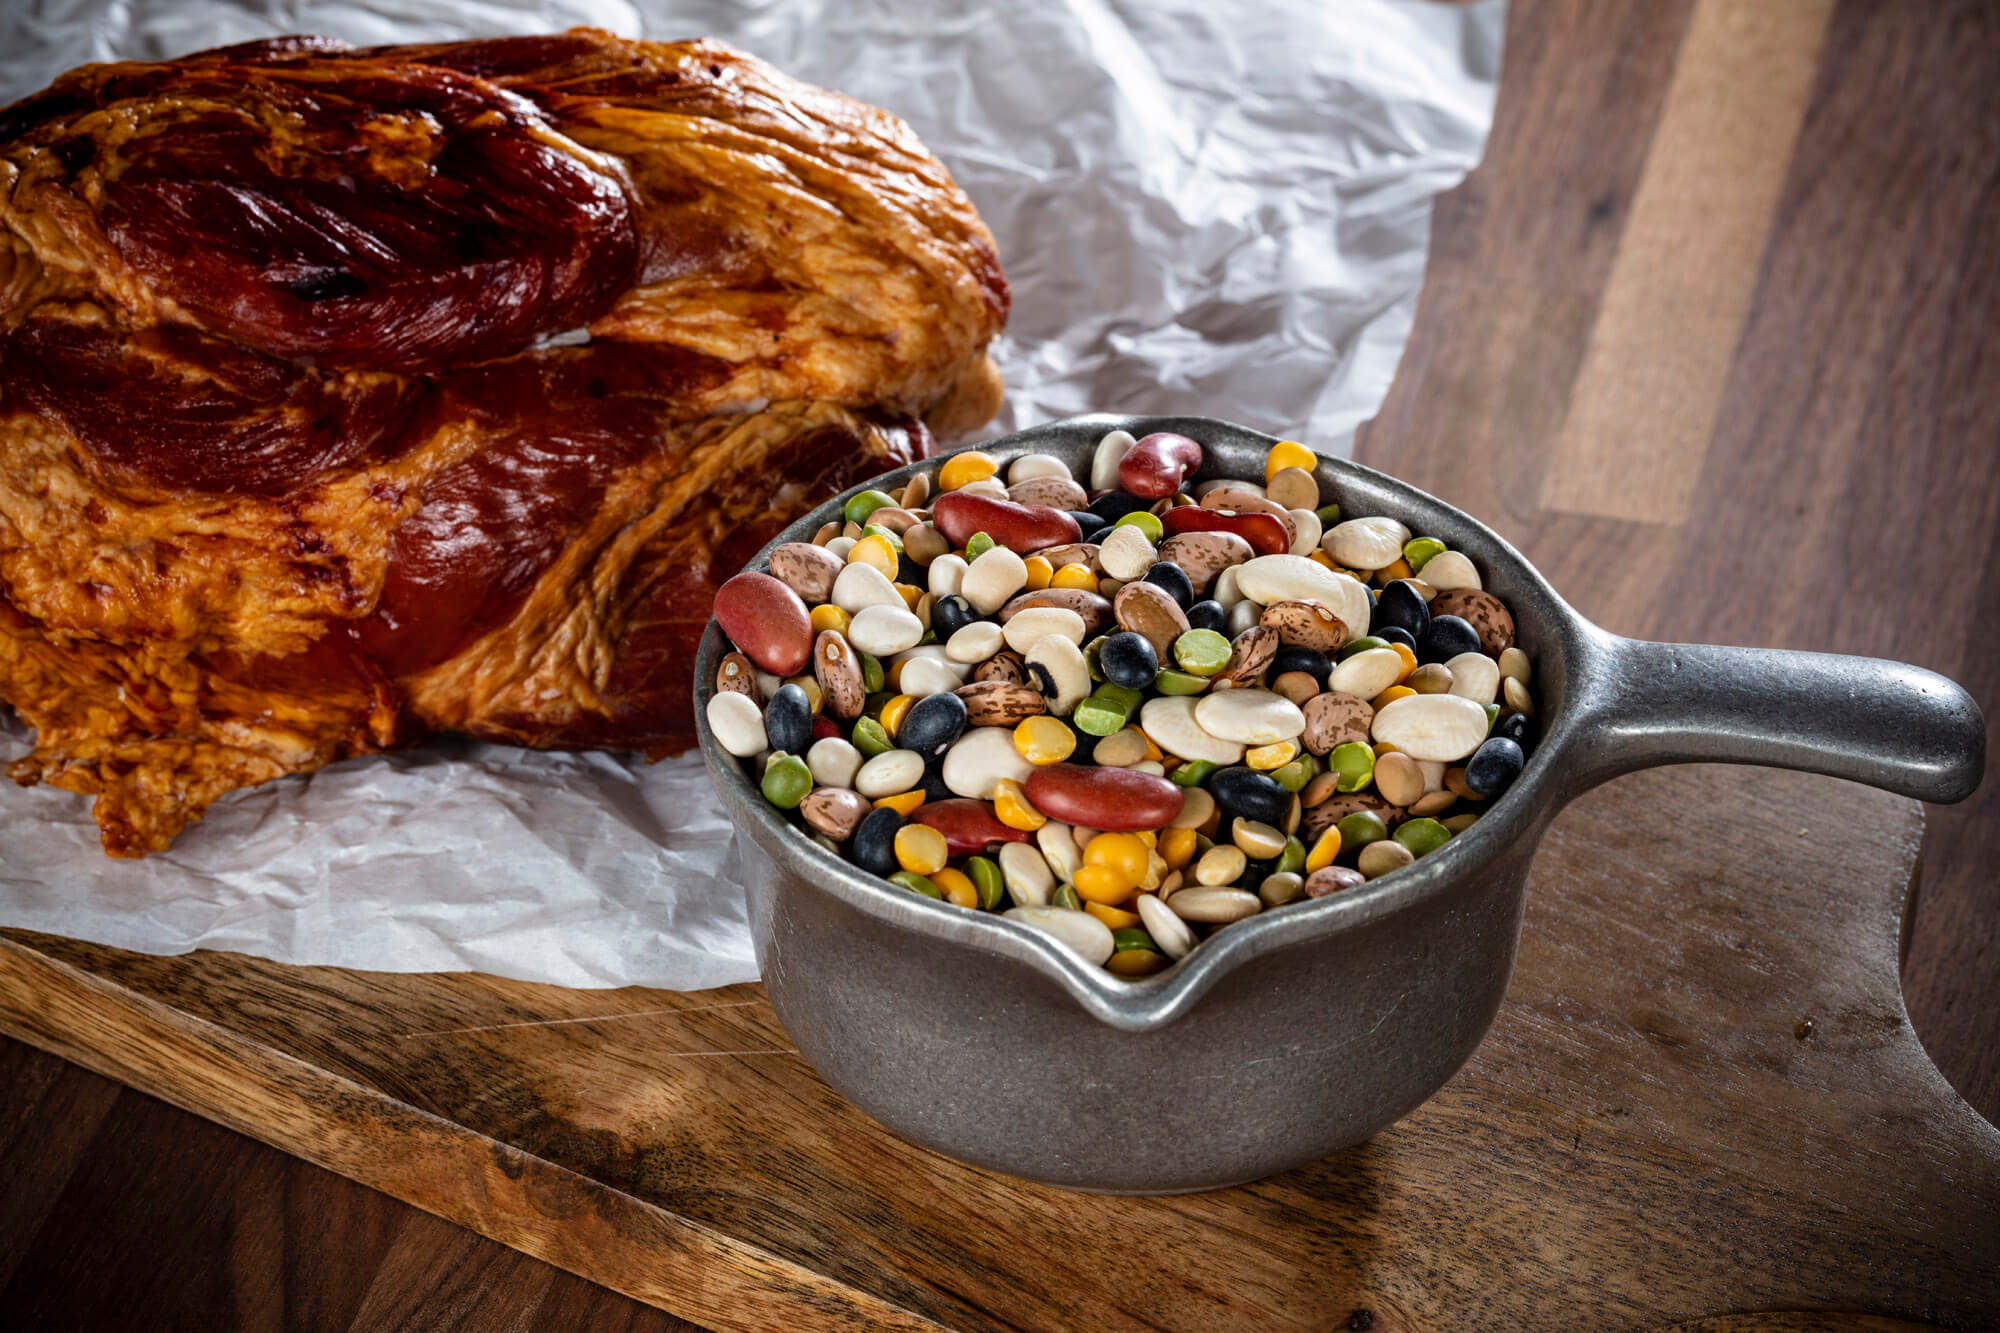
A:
x: 1028, y: 628
x: 840, y: 546
x: 1474, y: 676
x: 1110, y: 452
x: 833, y: 762
x: 986, y: 486
x: 1170, y: 721
x: 974, y: 643
x: 978, y: 761
x: 925, y: 676
x: 1367, y: 674
x: 1216, y: 905
x: 1029, y: 466
x: 1125, y: 553
x: 1079, y: 932
x: 1228, y: 590
x: 885, y: 630
x: 1249, y: 716
x: 860, y: 586
x: 946, y: 575
x: 1292, y: 578
x: 993, y: 578
x: 1027, y: 876
x: 1448, y: 570
x: 738, y: 724
x: 1375, y: 542
x: 890, y: 774
x: 1431, y: 726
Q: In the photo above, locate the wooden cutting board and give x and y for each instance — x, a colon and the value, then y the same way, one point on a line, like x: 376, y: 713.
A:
x: 1701, y: 1099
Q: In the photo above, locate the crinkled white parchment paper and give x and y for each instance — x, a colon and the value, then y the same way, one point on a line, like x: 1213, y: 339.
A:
x: 1202, y: 207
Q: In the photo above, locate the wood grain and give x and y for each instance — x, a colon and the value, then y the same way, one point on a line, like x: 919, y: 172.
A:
x: 1701, y: 1097
x: 1644, y: 406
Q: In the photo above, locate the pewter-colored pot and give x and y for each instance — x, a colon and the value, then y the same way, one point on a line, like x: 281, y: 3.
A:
x: 1306, y: 1029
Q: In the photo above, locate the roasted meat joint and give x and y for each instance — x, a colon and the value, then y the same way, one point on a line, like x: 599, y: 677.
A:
x: 352, y: 395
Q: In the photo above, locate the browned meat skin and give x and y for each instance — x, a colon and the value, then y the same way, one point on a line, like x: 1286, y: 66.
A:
x: 349, y: 395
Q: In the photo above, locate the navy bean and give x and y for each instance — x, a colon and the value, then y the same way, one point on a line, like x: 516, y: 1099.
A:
x: 1494, y: 766
x: 788, y: 720
x: 1403, y: 607
x: 1445, y: 637
x: 1128, y: 659
x: 932, y: 724
x: 1174, y: 579
x: 1208, y: 615
x: 874, y: 847
x: 1250, y: 794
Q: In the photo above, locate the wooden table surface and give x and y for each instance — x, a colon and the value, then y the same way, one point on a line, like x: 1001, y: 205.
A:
x: 1713, y: 335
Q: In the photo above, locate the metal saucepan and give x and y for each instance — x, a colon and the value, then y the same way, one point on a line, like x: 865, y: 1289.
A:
x: 1306, y: 1029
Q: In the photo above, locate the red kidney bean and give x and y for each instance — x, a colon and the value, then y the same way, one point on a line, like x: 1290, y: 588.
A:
x: 1264, y: 532
x: 969, y: 826
x: 1156, y: 466
x: 1021, y: 528
x: 767, y: 621
x: 825, y: 727
x: 1116, y: 800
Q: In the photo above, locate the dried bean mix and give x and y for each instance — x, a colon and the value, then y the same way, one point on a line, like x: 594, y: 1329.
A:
x: 1122, y: 709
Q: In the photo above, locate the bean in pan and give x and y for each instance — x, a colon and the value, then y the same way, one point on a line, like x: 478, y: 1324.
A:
x: 1109, y: 706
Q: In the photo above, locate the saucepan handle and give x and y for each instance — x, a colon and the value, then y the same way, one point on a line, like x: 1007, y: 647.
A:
x: 1888, y: 724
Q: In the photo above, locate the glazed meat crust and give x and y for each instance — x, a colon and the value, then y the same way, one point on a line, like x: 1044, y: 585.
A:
x: 351, y: 395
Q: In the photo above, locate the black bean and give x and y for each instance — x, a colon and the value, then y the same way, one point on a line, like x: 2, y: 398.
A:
x: 788, y: 720
x: 1088, y: 522
x: 1403, y: 607
x: 1128, y: 659
x: 934, y: 783
x: 1298, y: 657
x: 874, y: 848
x: 1175, y: 580
x: 950, y: 614
x: 1208, y: 615
x: 909, y: 571
x: 1518, y: 728
x: 1114, y: 505
x: 932, y: 724
x: 1445, y: 637
x: 1397, y: 634
x: 1494, y: 766
x: 1246, y: 792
